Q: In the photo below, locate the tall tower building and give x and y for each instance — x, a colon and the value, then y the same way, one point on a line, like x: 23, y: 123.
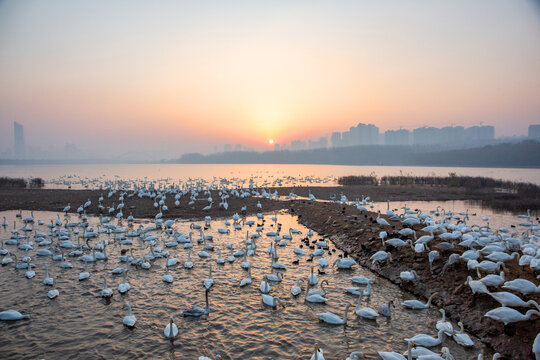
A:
x: 18, y: 132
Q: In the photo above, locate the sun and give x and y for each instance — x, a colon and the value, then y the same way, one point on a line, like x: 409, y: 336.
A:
x: 271, y: 141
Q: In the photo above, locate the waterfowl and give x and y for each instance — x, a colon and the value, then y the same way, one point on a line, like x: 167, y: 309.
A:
x: 197, y: 311
x: 209, y: 281
x: 366, y: 313
x: 380, y: 256
x: 408, y: 275
x: 171, y: 330
x: 493, y: 280
x: 124, y: 287
x: 362, y: 280
x: 12, y: 315
x: 53, y: 293
x: 106, y: 292
x: 356, y: 355
x: 417, y: 304
x: 522, y: 286
x: 296, y: 290
x: 461, y: 337
x: 315, y: 298
x: 444, y: 325
x: 391, y: 355
x: 345, y: 263
x: 508, y: 315
x: 321, y: 292
x: 509, y: 299
x: 246, y: 281
x: 333, y: 319
x: 265, y: 286
x: 188, y: 264
x: 476, y: 286
x: 385, y: 309
x: 427, y: 340
x: 167, y: 277
x: 83, y: 275
x: 318, y: 354
x: 312, y: 278
x: 272, y: 301
x: 48, y: 280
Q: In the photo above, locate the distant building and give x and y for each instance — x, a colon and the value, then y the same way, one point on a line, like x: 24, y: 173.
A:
x: 238, y: 147
x: 364, y: 134
x: 534, y: 131
x: 276, y: 147
x: 18, y: 132
x: 227, y: 147
x: 335, y: 139
x: 426, y: 136
x: 480, y: 133
x: 397, y: 137
x: 298, y: 145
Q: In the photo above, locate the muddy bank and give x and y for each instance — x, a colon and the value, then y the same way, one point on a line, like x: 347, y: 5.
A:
x: 357, y: 234
x: 56, y: 200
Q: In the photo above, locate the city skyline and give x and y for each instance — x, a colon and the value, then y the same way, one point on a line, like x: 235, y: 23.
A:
x: 157, y: 80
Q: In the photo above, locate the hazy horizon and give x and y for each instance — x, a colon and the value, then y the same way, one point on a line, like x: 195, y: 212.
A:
x: 166, y: 78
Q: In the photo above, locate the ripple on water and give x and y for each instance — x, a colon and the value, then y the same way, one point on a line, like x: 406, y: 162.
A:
x: 79, y: 323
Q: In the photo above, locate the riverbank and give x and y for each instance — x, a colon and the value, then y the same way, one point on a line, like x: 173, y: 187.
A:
x: 351, y: 231
x: 357, y: 234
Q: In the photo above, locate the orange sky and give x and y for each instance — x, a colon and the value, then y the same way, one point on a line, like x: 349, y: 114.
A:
x: 178, y: 76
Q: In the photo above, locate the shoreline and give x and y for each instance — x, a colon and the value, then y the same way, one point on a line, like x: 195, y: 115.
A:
x: 350, y: 231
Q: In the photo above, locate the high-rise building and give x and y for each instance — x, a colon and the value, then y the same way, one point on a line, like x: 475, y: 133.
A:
x: 397, y: 137
x: 18, y: 132
x: 534, y: 131
x: 335, y: 139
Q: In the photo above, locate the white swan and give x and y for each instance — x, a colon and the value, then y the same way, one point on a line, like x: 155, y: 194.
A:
x: 427, y: 340
x: 366, y: 313
x: 83, y: 275
x: 11, y: 315
x: 333, y: 319
x: 296, y: 290
x: 246, y: 281
x: 444, y: 325
x: 188, y: 264
x: 106, y: 292
x: 124, y: 287
x: 417, y: 304
x: 197, y: 311
x: 508, y: 315
x: 386, y: 309
x: 461, y: 337
x: 521, y: 285
x: 167, y: 277
x: 318, y: 354
x: 265, y: 286
x: 48, y: 280
x: 272, y: 301
x: 171, y: 330
x: 208, y: 283
x: 509, y: 299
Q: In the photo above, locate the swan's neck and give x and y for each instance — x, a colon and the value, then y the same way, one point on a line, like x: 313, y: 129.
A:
x: 346, y: 314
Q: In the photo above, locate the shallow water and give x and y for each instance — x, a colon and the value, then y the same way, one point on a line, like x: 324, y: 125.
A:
x: 262, y: 174
x: 80, y: 324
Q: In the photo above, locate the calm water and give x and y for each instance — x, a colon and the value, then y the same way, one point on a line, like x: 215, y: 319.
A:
x: 79, y: 323
x: 262, y: 174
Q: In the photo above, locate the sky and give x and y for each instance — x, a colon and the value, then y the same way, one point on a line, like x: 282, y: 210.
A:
x: 162, y: 78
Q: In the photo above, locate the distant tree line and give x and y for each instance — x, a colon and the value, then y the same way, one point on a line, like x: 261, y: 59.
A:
x: 525, y: 154
x: 20, y: 183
